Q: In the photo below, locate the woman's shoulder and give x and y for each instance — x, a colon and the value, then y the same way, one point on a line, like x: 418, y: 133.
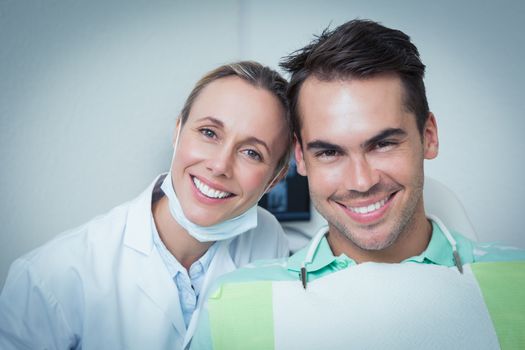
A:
x: 266, y: 241
x: 264, y: 215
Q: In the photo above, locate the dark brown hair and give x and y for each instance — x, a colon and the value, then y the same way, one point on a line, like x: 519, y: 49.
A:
x: 359, y: 49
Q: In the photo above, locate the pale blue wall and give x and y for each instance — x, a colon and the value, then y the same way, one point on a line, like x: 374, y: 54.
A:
x: 89, y: 91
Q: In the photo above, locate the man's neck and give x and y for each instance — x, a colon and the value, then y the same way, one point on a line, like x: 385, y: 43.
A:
x: 184, y: 247
x: 411, y: 242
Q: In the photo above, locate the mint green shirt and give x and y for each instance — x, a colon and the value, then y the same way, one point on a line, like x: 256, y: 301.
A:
x: 439, y: 252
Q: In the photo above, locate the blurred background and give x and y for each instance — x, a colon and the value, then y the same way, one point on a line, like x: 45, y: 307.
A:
x: 90, y: 90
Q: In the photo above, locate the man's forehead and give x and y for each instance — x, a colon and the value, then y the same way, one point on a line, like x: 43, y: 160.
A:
x: 356, y: 108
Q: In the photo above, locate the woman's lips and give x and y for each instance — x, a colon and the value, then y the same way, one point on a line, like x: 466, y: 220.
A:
x: 209, y: 191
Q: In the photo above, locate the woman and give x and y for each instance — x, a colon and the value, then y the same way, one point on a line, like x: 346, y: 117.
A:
x: 133, y: 278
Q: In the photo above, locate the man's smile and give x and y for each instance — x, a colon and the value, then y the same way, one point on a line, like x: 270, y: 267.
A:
x: 368, y: 211
x: 370, y: 208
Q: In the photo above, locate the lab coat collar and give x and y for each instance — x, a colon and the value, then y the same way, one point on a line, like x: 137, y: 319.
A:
x: 138, y: 223
x: 151, y: 275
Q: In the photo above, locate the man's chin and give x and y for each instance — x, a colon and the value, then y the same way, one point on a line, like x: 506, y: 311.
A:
x: 373, y: 245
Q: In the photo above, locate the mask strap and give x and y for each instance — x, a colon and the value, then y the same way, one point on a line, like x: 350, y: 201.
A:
x: 176, y: 141
x: 271, y: 182
x: 175, y: 146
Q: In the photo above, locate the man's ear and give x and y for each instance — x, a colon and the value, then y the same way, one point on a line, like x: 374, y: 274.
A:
x: 430, y: 138
x: 299, y: 156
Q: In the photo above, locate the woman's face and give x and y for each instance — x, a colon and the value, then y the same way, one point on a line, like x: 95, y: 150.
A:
x: 228, y: 150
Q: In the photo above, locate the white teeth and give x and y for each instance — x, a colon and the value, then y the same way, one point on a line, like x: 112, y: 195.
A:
x: 209, y: 192
x: 370, y: 208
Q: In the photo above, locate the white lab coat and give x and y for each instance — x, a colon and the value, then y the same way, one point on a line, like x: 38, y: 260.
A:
x: 104, y: 285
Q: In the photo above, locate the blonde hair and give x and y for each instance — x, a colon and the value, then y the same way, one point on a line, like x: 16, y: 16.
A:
x: 257, y: 75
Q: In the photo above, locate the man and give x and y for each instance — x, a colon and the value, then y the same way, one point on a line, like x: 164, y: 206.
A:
x: 363, y: 129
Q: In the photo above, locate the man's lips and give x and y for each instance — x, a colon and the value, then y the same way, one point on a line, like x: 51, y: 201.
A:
x: 368, y: 208
x: 209, y: 191
x: 368, y: 211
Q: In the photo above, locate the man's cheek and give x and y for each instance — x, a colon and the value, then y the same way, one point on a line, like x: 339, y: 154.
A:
x: 326, y: 181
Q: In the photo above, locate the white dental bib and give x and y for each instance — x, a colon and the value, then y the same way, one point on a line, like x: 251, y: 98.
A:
x: 387, y: 306
x: 406, y: 305
x: 367, y: 306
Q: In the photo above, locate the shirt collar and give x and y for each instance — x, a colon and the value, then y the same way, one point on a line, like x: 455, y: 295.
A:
x: 439, y: 251
x: 323, y: 256
x: 172, y: 264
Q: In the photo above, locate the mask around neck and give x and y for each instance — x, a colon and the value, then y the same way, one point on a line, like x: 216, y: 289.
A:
x: 217, y: 232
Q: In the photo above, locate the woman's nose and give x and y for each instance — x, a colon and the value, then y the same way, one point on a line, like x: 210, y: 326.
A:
x: 221, y: 163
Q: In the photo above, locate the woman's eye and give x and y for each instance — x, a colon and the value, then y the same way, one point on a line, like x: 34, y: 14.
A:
x: 208, y: 132
x: 253, y: 154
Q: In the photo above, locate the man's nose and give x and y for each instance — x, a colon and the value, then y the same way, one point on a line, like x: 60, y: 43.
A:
x: 361, y: 175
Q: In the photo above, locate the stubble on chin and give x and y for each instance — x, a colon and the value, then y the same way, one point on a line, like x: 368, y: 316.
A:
x: 401, y: 226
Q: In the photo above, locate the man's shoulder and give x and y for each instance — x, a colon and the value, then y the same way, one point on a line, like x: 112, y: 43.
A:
x: 474, y: 251
x: 496, y: 251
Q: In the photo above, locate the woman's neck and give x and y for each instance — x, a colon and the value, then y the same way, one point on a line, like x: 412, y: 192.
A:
x: 184, y: 247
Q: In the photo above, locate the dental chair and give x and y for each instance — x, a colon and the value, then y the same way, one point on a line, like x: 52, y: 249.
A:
x: 443, y: 203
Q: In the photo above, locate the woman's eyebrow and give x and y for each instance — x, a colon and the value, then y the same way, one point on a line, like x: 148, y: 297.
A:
x: 250, y: 139
x: 253, y: 139
x: 213, y: 120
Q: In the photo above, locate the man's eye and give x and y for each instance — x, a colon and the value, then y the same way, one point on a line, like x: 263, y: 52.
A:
x: 382, y: 145
x: 326, y: 153
x: 208, y: 132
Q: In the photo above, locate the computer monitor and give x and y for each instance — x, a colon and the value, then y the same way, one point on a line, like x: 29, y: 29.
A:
x: 289, y: 200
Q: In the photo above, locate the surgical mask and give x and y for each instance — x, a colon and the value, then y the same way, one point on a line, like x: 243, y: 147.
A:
x: 217, y: 232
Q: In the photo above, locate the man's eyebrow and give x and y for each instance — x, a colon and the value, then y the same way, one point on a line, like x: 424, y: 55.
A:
x: 319, y: 144
x: 383, y: 135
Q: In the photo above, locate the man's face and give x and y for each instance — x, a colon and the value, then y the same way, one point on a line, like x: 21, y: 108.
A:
x: 363, y: 155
